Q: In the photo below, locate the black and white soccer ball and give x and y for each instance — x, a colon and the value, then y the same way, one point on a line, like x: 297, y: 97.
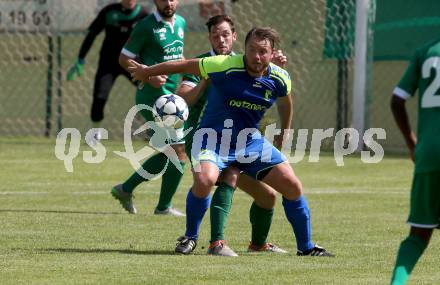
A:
x: 170, y: 111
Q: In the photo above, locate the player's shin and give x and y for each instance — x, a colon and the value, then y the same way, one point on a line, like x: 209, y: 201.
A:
x: 153, y: 165
x: 195, y: 210
x: 170, y: 181
x: 298, y: 214
x: 220, y: 207
x: 409, y: 253
x: 261, y: 220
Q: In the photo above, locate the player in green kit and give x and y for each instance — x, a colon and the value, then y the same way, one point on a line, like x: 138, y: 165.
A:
x: 117, y: 21
x: 222, y: 36
x: 157, y: 38
x: 422, y: 74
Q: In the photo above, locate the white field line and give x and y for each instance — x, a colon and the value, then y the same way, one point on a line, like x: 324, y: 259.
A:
x: 323, y: 191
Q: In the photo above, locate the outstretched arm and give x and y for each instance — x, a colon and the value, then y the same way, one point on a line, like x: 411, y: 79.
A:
x: 155, y: 81
x: 142, y: 72
x: 285, y: 110
x: 95, y: 28
x: 77, y: 69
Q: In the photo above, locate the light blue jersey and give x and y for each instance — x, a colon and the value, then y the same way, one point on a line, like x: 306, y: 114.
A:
x: 238, y: 96
x: 236, y: 103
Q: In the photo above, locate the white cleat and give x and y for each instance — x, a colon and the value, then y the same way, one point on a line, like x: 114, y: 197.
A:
x: 169, y: 212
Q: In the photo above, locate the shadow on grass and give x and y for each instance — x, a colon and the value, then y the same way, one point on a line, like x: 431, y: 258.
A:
x: 59, y: 212
x: 101, y: 250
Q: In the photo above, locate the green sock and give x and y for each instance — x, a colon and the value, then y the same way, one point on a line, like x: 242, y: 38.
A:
x: 170, y: 181
x: 153, y: 165
x: 220, y: 206
x: 261, y: 220
x: 409, y: 253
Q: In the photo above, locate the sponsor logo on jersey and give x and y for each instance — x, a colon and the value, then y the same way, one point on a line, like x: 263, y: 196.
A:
x: 246, y: 105
x: 173, y: 50
x: 172, y: 57
x: 267, y: 95
x: 180, y: 32
x: 160, y: 31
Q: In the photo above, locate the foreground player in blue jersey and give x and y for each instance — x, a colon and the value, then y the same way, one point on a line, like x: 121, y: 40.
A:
x: 243, y: 88
x: 222, y: 36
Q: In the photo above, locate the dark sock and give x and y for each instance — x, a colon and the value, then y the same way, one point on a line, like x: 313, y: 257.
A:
x: 220, y: 207
x: 261, y: 220
x: 409, y: 253
x: 170, y: 181
x: 153, y: 165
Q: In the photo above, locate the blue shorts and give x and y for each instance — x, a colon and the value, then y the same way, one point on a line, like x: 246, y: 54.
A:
x: 257, y: 155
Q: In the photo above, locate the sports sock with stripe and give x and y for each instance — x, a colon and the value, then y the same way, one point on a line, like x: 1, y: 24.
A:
x: 409, y: 253
x: 220, y: 207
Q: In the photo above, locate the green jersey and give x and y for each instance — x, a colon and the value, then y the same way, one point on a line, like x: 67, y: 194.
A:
x: 423, y: 74
x: 153, y: 41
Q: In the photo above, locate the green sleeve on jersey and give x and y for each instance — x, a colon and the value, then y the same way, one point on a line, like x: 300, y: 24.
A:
x: 138, y: 38
x: 410, y: 79
x: 191, y: 78
x: 283, y: 77
x: 219, y: 63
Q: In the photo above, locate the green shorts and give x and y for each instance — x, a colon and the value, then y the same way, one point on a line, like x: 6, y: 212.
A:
x: 425, y: 200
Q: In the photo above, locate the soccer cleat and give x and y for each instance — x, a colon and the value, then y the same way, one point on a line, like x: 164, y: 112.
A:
x: 315, y: 251
x: 221, y: 249
x: 125, y: 198
x: 267, y: 247
x: 169, y: 211
x: 185, y: 245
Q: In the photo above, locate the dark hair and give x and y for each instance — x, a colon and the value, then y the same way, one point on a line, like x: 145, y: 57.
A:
x: 264, y: 33
x: 215, y: 20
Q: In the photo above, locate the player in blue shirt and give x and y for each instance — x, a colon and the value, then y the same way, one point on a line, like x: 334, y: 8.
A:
x: 222, y: 35
x: 243, y: 88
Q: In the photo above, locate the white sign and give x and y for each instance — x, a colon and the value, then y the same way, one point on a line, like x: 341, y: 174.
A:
x: 46, y: 15
x: 76, y: 15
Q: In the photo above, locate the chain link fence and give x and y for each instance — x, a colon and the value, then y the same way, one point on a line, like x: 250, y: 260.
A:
x: 40, y: 39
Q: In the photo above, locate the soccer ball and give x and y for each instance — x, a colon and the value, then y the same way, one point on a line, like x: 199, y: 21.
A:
x: 170, y: 111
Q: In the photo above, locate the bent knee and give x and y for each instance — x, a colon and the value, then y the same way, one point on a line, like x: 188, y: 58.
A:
x: 230, y: 177
x: 267, y: 201
x: 202, y: 186
x: 294, y: 189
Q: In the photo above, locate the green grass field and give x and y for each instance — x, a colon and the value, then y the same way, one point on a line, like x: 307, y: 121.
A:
x: 64, y: 228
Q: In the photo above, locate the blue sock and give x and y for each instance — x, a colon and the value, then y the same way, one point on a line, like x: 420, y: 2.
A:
x: 298, y: 214
x: 195, y: 210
